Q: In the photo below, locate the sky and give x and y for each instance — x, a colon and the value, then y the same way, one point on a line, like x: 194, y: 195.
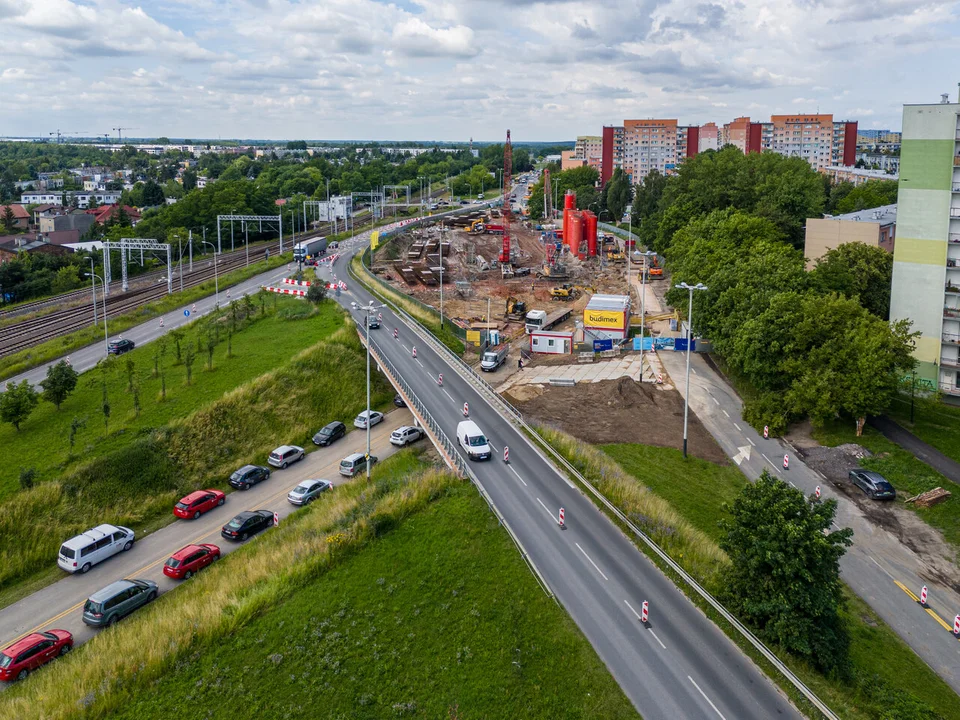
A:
x: 449, y: 70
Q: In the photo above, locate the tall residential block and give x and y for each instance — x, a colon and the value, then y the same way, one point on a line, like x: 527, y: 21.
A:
x: 926, y: 259
x: 816, y: 138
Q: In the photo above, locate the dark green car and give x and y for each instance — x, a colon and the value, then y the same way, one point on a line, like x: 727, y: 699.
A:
x: 116, y: 600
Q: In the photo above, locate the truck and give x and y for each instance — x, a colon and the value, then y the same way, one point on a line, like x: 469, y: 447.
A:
x: 306, y: 251
x: 494, y: 357
x: 541, y: 320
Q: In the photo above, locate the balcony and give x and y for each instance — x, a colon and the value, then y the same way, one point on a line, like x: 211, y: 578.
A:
x: 950, y: 362
x: 955, y: 213
x: 955, y: 238
x: 956, y: 187
x: 951, y: 313
x: 951, y: 338
x: 948, y: 388
x: 956, y: 160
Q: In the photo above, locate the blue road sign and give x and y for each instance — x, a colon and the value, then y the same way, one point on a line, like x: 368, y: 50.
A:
x: 186, y: 313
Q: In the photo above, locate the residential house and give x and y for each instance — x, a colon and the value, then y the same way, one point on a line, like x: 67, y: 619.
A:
x: 102, y: 214
x: 876, y: 227
x: 80, y: 221
x: 20, y: 214
x: 21, y: 243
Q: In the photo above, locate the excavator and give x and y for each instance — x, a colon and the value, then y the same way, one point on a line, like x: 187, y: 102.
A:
x: 570, y: 292
x: 516, y: 309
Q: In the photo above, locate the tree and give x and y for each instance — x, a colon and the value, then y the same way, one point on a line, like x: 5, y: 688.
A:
x: 105, y: 407
x: 153, y: 194
x: 870, y: 194
x: 646, y: 199
x: 131, y: 368
x: 9, y: 220
x: 76, y: 425
x: 188, y: 359
x: 66, y: 279
x: 92, y: 204
x: 177, y: 336
x: 297, y: 145
x: 18, y: 402
x: 60, y: 382
x: 189, y: 180
x: 784, y: 574
x: 857, y: 271
x: 27, y: 477
x: 618, y: 193
x: 316, y: 293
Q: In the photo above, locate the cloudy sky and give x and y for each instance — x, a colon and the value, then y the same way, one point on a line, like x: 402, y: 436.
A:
x: 452, y: 69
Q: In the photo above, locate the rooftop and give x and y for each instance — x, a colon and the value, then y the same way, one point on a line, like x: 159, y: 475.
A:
x: 883, y: 215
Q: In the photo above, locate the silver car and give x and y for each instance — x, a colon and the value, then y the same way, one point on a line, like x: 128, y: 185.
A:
x: 308, y: 491
x: 405, y: 435
x: 361, y: 419
x: 284, y: 455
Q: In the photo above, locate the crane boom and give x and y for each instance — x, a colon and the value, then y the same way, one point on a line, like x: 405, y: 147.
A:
x: 507, y: 182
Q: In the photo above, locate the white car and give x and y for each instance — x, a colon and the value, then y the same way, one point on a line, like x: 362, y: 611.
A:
x: 405, y: 435
x: 308, y: 491
x: 361, y: 419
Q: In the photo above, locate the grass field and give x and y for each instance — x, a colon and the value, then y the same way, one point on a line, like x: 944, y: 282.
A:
x: 907, y: 474
x: 402, y: 598
x: 890, y: 681
x: 934, y: 423
x: 24, y: 360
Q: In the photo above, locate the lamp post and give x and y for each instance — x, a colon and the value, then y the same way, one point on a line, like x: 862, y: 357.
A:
x: 643, y: 303
x: 368, y: 310
x: 106, y: 343
x: 216, y: 279
x: 246, y: 240
x: 93, y: 285
x: 686, y: 403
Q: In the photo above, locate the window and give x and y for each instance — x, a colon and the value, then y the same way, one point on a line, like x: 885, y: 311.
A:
x: 550, y: 342
x: 88, y: 550
x: 104, y: 542
x: 119, y: 535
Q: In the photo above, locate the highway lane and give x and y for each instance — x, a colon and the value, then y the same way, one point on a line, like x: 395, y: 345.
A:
x: 878, y: 566
x: 60, y: 605
x: 682, y: 665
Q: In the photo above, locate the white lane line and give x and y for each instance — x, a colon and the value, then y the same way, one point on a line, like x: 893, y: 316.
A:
x: 656, y: 638
x: 547, y: 509
x: 751, y: 442
x: 720, y: 714
x: 420, y: 363
x: 737, y: 427
x: 448, y: 395
x: 792, y: 485
x: 772, y: 465
x: 880, y: 566
x: 726, y: 413
x: 591, y: 561
x: 404, y: 347
x: 717, y: 402
x: 694, y: 370
x: 631, y: 609
x: 518, y: 475
x: 492, y: 445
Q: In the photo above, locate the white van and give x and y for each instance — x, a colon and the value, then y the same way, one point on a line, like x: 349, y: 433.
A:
x: 80, y: 553
x: 473, y: 441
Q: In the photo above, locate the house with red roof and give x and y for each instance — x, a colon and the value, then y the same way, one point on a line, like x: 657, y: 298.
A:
x: 105, y: 212
x: 20, y: 214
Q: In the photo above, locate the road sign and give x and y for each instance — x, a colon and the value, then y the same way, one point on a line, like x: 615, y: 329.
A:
x: 956, y: 625
x: 440, y: 379
x: 186, y: 313
x: 561, y: 517
x: 276, y: 519
x: 506, y: 454
x: 466, y: 410
x: 766, y: 431
x: 644, y: 611
x: 414, y: 351
x: 786, y: 462
x: 923, y: 595
x: 817, y: 492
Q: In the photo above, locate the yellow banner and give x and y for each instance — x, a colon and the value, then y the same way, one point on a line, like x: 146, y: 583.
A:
x: 374, y: 239
x: 473, y: 336
x: 603, y: 318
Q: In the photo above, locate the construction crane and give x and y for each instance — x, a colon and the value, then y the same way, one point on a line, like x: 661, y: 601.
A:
x: 61, y: 135
x: 507, y: 182
x: 120, y: 132
x: 547, y: 195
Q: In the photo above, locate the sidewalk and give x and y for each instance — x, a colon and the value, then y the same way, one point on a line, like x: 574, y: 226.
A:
x: 946, y: 466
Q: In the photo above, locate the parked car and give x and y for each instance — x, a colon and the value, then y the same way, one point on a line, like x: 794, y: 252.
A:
x: 198, y: 502
x: 399, y: 401
x: 117, y: 600
x: 120, y: 346
x: 329, y: 433
x: 355, y: 464
x: 80, y: 553
x: 873, y: 484
x: 249, y: 475
x: 247, y: 523
x: 29, y: 653
x: 284, y: 455
x: 374, y: 418
x: 187, y: 561
x: 405, y: 435
x: 308, y: 491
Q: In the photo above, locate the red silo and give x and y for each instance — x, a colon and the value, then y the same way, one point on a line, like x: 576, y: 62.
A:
x: 591, y: 221
x: 575, y: 224
x: 570, y: 200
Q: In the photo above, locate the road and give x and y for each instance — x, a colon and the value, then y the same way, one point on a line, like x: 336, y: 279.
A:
x: 878, y: 567
x: 60, y: 605
x: 678, y: 666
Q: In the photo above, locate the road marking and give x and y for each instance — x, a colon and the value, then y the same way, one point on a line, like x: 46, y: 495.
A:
x: 591, y: 561
x: 903, y: 587
x: 656, y: 638
x: 737, y: 427
x: 792, y: 485
x: 448, y: 395
x: 720, y: 714
x: 420, y: 363
x: 491, y: 445
x: 547, y: 509
x: 726, y: 413
x: 888, y: 574
x: 932, y: 613
x: 517, y: 474
x: 750, y: 441
x: 715, y: 400
x: 404, y: 347
x: 632, y: 610
x: 694, y: 370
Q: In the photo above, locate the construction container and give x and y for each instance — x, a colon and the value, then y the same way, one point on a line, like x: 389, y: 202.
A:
x: 608, y: 314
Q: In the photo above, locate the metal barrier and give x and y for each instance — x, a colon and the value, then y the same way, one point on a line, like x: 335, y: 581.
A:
x: 618, y: 231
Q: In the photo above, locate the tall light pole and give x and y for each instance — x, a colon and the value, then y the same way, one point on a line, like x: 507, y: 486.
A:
x: 93, y: 284
x: 686, y: 403
x: 106, y: 344
x: 643, y: 303
x: 216, y: 279
x: 441, y: 276
x: 368, y: 310
x: 246, y: 240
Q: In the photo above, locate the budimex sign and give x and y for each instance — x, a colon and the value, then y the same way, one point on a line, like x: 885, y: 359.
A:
x: 604, y: 318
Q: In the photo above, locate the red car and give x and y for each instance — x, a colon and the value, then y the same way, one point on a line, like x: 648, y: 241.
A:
x: 197, y: 503
x: 36, y: 649
x: 190, y: 559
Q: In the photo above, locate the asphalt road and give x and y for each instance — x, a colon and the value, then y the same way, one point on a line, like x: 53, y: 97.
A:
x: 878, y: 567
x: 60, y: 605
x: 680, y: 665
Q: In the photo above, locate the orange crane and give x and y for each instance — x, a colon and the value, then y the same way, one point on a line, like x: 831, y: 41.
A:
x: 507, y: 183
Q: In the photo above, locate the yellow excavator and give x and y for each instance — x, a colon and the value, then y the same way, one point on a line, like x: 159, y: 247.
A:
x: 570, y: 292
x: 476, y: 227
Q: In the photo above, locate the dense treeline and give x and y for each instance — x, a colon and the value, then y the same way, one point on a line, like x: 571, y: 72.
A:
x: 811, y: 344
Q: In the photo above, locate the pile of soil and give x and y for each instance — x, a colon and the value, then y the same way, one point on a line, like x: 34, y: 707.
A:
x: 617, y: 411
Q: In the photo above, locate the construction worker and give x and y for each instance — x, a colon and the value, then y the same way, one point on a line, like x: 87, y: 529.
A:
x: 519, y: 363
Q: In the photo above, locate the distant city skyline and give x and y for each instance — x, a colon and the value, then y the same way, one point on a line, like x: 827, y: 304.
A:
x: 448, y: 70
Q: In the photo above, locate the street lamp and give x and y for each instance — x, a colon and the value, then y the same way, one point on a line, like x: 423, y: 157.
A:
x: 106, y: 344
x: 216, y: 279
x: 643, y: 301
x: 93, y: 284
x: 368, y: 310
x: 686, y: 403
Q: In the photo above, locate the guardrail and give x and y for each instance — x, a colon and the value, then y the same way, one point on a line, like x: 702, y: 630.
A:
x: 449, y: 451
x: 516, y: 417
x: 618, y: 231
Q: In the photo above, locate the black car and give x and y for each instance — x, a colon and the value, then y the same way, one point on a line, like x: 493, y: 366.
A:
x: 873, y: 484
x: 373, y: 322
x: 248, y: 476
x: 247, y: 523
x: 119, y: 347
x: 398, y: 401
x: 330, y: 433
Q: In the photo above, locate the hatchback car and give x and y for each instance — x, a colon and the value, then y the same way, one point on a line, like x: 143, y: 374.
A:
x: 187, y: 561
x: 308, y: 491
x: 361, y: 419
x: 405, y: 435
x: 399, y: 401
x: 873, y: 484
x: 248, y: 476
x: 120, y: 346
x: 355, y: 464
x: 284, y: 455
x: 197, y: 503
x: 117, y: 600
x: 246, y: 524
x: 330, y: 433
x: 29, y: 653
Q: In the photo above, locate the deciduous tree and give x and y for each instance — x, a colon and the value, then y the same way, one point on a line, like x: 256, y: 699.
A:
x: 60, y: 382
x: 18, y: 402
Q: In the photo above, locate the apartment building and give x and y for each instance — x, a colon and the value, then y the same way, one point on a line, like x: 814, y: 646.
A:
x: 588, y: 150
x: 926, y: 259
x: 743, y: 134
x: 876, y: 227
x: 816, y: 138
x: 708, y: 137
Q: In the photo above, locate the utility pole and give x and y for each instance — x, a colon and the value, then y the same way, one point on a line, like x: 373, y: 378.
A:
x: 93, y: 284
x: 643, y: 306
x: 686, y: 403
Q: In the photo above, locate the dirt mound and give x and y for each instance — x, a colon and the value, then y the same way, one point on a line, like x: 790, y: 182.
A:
x: 618, y: 411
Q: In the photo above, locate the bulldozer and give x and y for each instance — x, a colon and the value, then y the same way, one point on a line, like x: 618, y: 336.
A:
x: 564, y: 292
x: 516, y: 309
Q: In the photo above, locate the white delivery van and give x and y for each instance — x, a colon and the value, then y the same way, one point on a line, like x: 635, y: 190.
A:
x: 80, y: 553
x: 473, y: 441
